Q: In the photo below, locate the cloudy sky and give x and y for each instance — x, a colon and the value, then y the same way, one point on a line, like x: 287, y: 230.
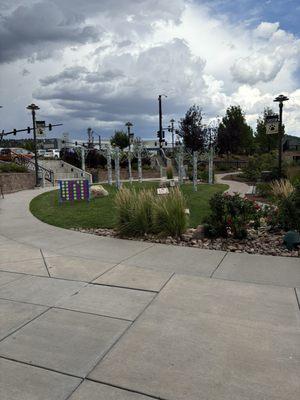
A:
x: 100, y: 63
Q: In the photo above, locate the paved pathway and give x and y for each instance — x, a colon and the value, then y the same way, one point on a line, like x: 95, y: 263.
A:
x: 234, y: 186
x: 90, y: 318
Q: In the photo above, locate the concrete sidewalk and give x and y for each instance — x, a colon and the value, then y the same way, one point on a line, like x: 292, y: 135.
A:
x: 86, y: 317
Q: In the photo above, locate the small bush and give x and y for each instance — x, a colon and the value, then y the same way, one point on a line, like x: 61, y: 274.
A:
x: 140, y: 213
x: 263, y: 162
x: 11, y: 167
x: 169, y: 217
x: 169, y: 172
x: 281, y: 188
x: 231, y: 215
x: 263, y: 189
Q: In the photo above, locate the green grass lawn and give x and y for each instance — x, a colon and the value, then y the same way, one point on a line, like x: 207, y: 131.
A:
x: 99, y: 213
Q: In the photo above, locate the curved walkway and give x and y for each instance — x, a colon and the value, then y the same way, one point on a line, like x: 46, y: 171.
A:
x: 92, y: 318
x: 234, y: 186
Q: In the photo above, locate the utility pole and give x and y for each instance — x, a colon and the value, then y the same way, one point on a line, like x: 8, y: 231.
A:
x: 280, y: 99
x: 33, y: 108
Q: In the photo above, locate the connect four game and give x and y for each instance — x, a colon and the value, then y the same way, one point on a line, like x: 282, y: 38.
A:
x: 74, y: 190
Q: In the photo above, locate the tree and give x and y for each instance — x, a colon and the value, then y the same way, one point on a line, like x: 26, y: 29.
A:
x: 264, y: 142
x: 234, y: 134
x: 95, y: 159
x: 192, y: 130
x: 71, y: 156
x: 120, y: 139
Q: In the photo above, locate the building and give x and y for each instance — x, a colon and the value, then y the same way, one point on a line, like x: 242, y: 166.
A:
x: 291, y: 148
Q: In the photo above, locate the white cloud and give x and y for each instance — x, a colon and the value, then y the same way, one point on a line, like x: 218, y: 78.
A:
x: 132, y: 51
x: 266, y: 29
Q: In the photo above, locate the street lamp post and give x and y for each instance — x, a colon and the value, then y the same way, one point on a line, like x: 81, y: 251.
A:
x: 130, y: 134
x: 280, y: 99
x: 172, y: 130
x: 32, y: 107
x: 160, y: 131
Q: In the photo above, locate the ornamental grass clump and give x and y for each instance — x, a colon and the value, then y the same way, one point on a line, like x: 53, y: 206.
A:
x: 144, y: 212
x: 170, y: 218
x: 282, y: 188
x: 125, y: 204
x: 134, y: 212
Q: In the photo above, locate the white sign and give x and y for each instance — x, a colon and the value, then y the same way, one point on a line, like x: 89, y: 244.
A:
x: 272, y: 128
x: 272, y: 124
x: 162, y: 191
x: 40, y: 128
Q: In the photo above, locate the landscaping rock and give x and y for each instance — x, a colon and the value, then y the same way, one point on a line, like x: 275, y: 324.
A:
x: 198, y: 232
x: 98, y: 191
x: 258, y: 242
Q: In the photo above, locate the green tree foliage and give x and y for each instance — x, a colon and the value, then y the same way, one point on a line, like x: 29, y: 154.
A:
x: 192, y: 130
x: 71, y: 156
x: 234, y: 134
x: 120, y: 139
x: 95, y: 159
x: 264, y: 143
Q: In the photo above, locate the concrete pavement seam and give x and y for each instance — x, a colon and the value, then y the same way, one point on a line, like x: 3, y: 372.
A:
x: 66, y: 309
x: 120, y: 262
x: 46, y: 266
x: 213, y: 272
x: 26, y: 323
x: 124, y: 287
x: 127, y: 329
x: 40, y: 367
x: 74, y: 390
x: 297, y: 298
x: 126, y: 389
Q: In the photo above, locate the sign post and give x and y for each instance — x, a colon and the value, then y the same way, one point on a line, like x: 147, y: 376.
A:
x: 195, y: 170
x: 140, y: 172
x: 117, y: 167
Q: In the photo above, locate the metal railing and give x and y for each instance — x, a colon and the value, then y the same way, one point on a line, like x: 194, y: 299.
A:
x: 47, y: 174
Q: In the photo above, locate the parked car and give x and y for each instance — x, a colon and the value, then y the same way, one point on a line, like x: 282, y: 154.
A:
x: 14, y: 152
x: 52, y: 153
x: 41, y: 152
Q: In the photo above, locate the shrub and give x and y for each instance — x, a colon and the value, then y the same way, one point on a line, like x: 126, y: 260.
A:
x: 263, y: 162
x: 11, y: 167
x: 169, y: 172
x: 231, y: 215
x: 169, y: 216
x: 264, y: 189
x: 289, y: 210
x: 281, y: 188
x: 140, y: 213
x: 293, y: 173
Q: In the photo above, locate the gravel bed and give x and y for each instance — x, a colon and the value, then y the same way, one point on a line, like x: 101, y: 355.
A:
x: 258, y: 242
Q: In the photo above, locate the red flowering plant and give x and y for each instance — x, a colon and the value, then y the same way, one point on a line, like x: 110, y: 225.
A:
x: 232, y: 215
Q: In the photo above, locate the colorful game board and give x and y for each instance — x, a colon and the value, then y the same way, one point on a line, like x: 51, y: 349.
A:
x: 73, y: 190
